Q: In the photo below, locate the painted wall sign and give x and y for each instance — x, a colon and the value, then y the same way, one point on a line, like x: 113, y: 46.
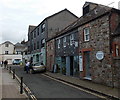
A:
x: 80, y: 63
x: 99, y: 55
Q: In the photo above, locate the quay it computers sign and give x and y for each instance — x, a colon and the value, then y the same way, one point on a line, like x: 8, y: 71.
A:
x: 99, y: 55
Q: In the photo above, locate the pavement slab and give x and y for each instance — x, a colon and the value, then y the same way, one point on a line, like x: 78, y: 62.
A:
x: 109, y: 91
x: 9, y: 88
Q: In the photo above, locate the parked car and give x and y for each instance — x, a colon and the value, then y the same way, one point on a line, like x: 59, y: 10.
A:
x: 17, y: 61
x: 37, y: 68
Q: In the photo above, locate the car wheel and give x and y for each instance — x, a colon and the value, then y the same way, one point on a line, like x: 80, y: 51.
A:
x: 33, y: 72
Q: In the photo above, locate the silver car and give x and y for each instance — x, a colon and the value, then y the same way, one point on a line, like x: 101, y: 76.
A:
x: 38, y: 68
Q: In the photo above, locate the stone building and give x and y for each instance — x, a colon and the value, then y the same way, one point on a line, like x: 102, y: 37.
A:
x: 95, y: 44
x: 116, y: 56
x: 95, y: 30
x: 46, y: 30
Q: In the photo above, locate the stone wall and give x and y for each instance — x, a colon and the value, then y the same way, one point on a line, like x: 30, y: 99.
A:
x: 101, y: 71
x: 116, y: 71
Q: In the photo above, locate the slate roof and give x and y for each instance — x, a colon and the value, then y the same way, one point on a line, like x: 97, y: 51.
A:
x: 19, y: 45
x: 98, y: 11
x: 93, y: 14
x: 61, y: 12
x: 55, y: 15
x: 7, y: 42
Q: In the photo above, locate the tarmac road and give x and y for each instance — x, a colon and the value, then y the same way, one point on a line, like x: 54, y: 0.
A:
x: 44, y: 87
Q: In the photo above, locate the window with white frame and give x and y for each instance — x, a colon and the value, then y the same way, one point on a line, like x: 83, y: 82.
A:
x: 42, y: 43
x: 58, y: 43
x: 117, y: 50
x: 42, y: 27
x: 86, y: 34
x: 71, y: 39
x: 64, y: 42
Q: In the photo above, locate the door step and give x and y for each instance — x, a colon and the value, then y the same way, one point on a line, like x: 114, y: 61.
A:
x: 88, y: 78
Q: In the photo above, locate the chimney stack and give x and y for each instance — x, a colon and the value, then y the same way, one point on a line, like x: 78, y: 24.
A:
x: 119, y: 5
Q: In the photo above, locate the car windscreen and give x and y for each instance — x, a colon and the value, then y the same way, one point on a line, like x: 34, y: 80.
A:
x: 37, y: 64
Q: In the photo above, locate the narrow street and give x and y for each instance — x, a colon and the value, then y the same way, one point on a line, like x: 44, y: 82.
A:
x: 44, y: 87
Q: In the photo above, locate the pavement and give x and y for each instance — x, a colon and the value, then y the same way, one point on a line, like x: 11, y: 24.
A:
x: 9, y: 88
x: 113, y: 93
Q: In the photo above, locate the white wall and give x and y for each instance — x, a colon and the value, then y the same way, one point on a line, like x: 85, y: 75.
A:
x: 10, y: 58
x: 10, y: 48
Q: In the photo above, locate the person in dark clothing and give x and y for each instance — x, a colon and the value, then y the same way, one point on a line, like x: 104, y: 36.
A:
x: 27, y: 67
x: 42, y: 63
x: 5, y: 64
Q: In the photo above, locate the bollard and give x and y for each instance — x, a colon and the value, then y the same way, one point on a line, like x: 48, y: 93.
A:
x: 13, y: 73
x: 10, y: 69
x: 21, y: 85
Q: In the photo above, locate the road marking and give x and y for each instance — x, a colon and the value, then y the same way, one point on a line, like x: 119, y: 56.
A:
x: 75, y: 87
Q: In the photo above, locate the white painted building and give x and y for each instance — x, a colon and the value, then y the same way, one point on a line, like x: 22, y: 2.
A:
x: 6, y: 48
x: 7, y: 52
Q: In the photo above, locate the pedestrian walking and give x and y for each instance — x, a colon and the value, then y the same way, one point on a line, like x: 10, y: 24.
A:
x: 5, y: 64
x: 27, y: 66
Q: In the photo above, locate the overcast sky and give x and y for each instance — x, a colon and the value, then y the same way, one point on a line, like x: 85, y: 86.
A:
x: 17, y: 15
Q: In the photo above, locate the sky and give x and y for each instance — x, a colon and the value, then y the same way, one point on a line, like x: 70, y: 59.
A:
x: 17, y: 15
